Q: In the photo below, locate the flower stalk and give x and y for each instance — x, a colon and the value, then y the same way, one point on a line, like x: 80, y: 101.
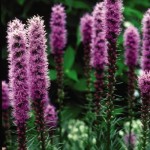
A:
x: 38, y: 71
x: 18, y: 78
x: 131, y: 44
x: 113, y: 18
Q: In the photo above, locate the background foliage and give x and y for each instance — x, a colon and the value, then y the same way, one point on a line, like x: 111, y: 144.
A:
x: 75, y: 83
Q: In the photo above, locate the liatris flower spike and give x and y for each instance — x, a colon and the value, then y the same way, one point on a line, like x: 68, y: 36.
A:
x: 58, y: 34
x: 38, y: 71
x: 144, y: 85
x: 98, y: 51
x: 86, y: 28
x: 58, y: 39
x: 18, y: 76
x: 86, y: 32
x: 113, y: 18
x: 131, y: 45
x: 146, y: 42
x: 5, y: 112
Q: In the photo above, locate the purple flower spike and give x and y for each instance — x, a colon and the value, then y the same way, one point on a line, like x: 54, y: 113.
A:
x: 5, y: 96
x: 98, y: 45
x: 146, y: 42
x: 86, y: 28
x: 113, y: 19
x: 38, y: 71
x: 144, y: 85
x: 18, y: 76
x: 131, y: 44
x: 38, y: 63
x: 50, y: 116
x: 58, y: 29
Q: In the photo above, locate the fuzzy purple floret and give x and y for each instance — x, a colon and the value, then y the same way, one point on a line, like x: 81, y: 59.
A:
x: 98, y: 45
x: 18, y: 71
x: 131, y: 44
x: 113, y: 19
x: 144, y: 82
x: 38, y: 63
x: 58, y: 34
x: 146, y: 42
x: 50, y: 116
x: 5, y: 96
x: 86, y: 28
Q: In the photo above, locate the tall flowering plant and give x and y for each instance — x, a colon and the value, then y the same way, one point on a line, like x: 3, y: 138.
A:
x: 131, y: 44
x: 86, y: 35
x: 113, y: 18
x: 58, y: 39
x: 98, y: 53
x: 38, y: 72
x: 18, y: 77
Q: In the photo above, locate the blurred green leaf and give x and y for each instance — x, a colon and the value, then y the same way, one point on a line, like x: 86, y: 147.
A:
x: 69, y: 113
x: 80, y: 85
x: 72, y: 74
x: 69, y: 58
x: 21, y: 2
x: 132, y: 12
x: 53, y: 74
x: 80, y: 5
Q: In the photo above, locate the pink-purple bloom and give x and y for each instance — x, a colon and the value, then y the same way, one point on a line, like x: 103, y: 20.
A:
x: 146, y: 42
x: 5, y: 96
x: 113, y: 19
x: 131, y: 44
x: 144, y: 83
x: 38, y: 63
x: 86, y: 28
x: 58, y: 34
x: 50, y: 116
x: 18, y: 71
x: 98, y: 45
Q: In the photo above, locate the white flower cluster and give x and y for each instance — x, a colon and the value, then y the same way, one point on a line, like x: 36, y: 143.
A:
x: 136, y: 130
x: 78, y: 133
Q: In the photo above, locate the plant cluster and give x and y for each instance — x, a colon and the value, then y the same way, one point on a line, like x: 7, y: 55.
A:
x: 39, y: 124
